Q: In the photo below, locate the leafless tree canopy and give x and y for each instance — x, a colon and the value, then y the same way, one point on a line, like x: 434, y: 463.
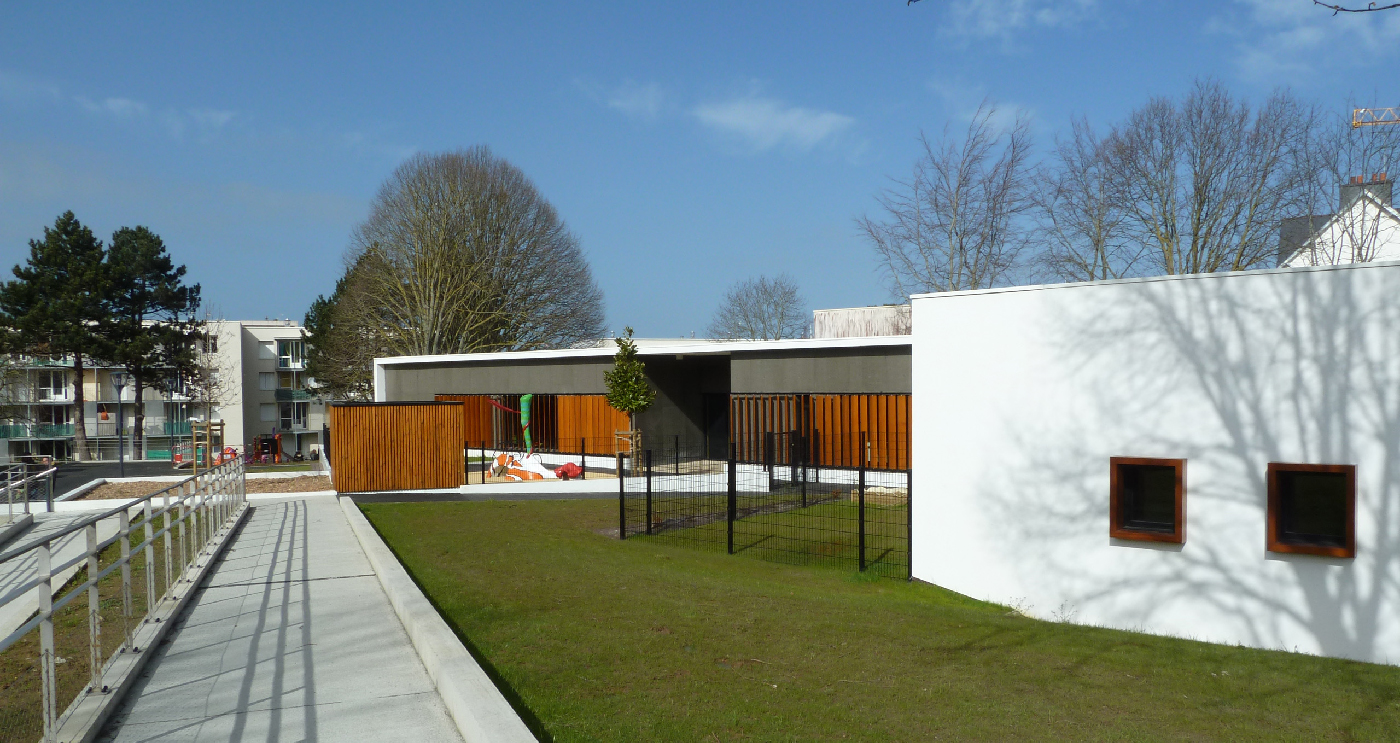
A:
x: 1079, y: 224
x: 761, y: 309
x: 1204, y: 182
x: 955, y: 224
x: 460, y: 253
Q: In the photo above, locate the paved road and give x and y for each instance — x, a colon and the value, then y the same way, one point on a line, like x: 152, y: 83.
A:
x: 74, y: 474
x: 291, y: 638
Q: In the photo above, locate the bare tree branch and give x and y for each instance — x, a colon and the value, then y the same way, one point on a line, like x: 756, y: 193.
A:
x: 955, y: 224
x: 1370, y: 7
x: 761, y: 309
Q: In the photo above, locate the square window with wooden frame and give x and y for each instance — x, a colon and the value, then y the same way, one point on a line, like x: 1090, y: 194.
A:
x: 1312, y: 509
x: 1147, y: 499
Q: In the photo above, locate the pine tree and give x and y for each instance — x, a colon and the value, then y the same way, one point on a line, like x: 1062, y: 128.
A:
x: 54, y: 304
x: 627, y: 386
x: 150, y: 321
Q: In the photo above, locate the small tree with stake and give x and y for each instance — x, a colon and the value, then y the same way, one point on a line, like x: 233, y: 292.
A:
x: 628, y: 390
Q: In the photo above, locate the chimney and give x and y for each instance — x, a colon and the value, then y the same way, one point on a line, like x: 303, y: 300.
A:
x: 1377, y: 186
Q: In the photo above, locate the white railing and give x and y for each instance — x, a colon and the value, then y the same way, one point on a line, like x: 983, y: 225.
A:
x: 19, y: 483
x: 187, y: 520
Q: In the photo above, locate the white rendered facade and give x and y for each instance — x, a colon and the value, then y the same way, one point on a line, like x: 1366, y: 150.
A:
x: 1368, y: 230
x: 1021, y: 396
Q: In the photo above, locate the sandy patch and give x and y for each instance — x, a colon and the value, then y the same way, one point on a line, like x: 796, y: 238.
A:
x: 125, y: 490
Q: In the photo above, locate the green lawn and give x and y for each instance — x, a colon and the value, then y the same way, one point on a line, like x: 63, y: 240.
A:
x: 643, y: 640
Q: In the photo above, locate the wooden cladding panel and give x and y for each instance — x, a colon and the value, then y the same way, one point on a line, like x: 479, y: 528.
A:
x: 557, y: 422
x: 833, y: 424
x: 397, y: 447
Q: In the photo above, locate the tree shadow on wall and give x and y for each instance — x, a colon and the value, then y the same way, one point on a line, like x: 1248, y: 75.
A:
x: 1303, y: 368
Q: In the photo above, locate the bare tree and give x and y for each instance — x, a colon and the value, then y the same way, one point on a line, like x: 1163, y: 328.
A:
x: 1205, y: 182
x: 955, y: 225
x: 461, y: 253
x: 1335, y: 8
x: 1079, y: 222
x: 761, y: 309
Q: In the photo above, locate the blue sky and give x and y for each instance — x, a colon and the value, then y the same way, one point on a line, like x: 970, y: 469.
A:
x: 688, y: 145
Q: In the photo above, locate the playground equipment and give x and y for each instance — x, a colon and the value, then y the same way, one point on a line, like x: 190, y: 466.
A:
x: 204, y: 452
x: 528, y: 467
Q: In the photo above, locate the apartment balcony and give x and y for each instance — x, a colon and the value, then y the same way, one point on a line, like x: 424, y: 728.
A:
x: 283, y: 395
x: 36, y: 431
x: 153, y: 427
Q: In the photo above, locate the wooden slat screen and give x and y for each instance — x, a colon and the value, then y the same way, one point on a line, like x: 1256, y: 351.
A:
x: 558, y: 423
x: 833, y: 426
x: 396, y: 446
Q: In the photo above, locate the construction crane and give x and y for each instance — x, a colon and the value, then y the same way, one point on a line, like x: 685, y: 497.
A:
x: 1374, y: 116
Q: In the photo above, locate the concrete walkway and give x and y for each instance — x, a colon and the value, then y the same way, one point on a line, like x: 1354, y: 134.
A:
x: 290, y: 639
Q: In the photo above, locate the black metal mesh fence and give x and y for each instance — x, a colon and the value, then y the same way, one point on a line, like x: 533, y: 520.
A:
x: 790, y: 507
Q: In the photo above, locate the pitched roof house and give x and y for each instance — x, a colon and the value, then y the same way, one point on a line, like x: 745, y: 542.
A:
x: 1365, y: 228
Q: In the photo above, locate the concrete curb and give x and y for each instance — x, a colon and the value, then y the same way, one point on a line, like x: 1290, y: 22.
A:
x: 81, y: 490
x: 476, y: 705
x: 84, y: 718
x: 12, y: 529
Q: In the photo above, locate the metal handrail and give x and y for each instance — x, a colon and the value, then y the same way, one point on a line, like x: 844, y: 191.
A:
x: 10, y: 486
x: 194, y: 514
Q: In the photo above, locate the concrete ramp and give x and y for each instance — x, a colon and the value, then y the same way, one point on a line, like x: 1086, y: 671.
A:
x: 291, y: 638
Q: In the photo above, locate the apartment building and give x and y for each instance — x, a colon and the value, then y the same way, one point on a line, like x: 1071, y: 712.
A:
x: 259, y: 391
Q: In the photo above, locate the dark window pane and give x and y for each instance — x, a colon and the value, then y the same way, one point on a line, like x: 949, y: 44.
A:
x: 1147, y: 497
x: 1312, y: 508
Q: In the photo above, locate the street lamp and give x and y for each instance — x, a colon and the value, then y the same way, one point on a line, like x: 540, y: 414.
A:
x: 119, y: 381
x: 172, y: 429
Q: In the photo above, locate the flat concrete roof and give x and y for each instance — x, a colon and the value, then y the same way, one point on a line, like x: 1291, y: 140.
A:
x: 1155, y: 279
x: 680, y: 347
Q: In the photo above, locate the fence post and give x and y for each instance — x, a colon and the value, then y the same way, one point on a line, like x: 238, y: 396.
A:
x: 816, y: 447
x: 861, y: 509
x: 149, y: 533
x: 733, y: 492
x: 803, y: 454
x: 648, y: 465
x: 124, y: 529
x: 94, y: 617
x: 50, y: 499
x: 678, y: 455
x: 621, y: 501
x: 583, y: 457
x: 768, y: 458
x: 48, y: 657
x: 909, y: 518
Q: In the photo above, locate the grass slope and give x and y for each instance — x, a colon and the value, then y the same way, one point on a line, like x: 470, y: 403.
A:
x: 645, y: 641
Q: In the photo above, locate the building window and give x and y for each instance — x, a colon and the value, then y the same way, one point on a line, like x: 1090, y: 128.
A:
x: 53, y: 385
x: 290, y: 354
x: 289, y: 380
x: 267, y: 381
x: 293, y: 415
x: 1312, y: 509
x: 209, y: 343
x: 267, y: 412
x: 266, y: 350
x: 1147, y: 499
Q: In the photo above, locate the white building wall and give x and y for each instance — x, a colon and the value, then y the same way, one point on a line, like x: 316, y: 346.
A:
x: 1021, y: 396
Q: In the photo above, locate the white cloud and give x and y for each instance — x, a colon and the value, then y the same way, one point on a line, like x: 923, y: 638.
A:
x: 1279, y: 41
x: 1000, y: 19
x: 638, y: 101
x: 122, y: 108
x: 765, y: 123
x: 210, y: 118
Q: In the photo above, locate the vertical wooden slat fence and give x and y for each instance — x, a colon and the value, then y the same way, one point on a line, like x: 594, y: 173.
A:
x: 397, y: 446
x: 840, y: 428
x: 557, y: 422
